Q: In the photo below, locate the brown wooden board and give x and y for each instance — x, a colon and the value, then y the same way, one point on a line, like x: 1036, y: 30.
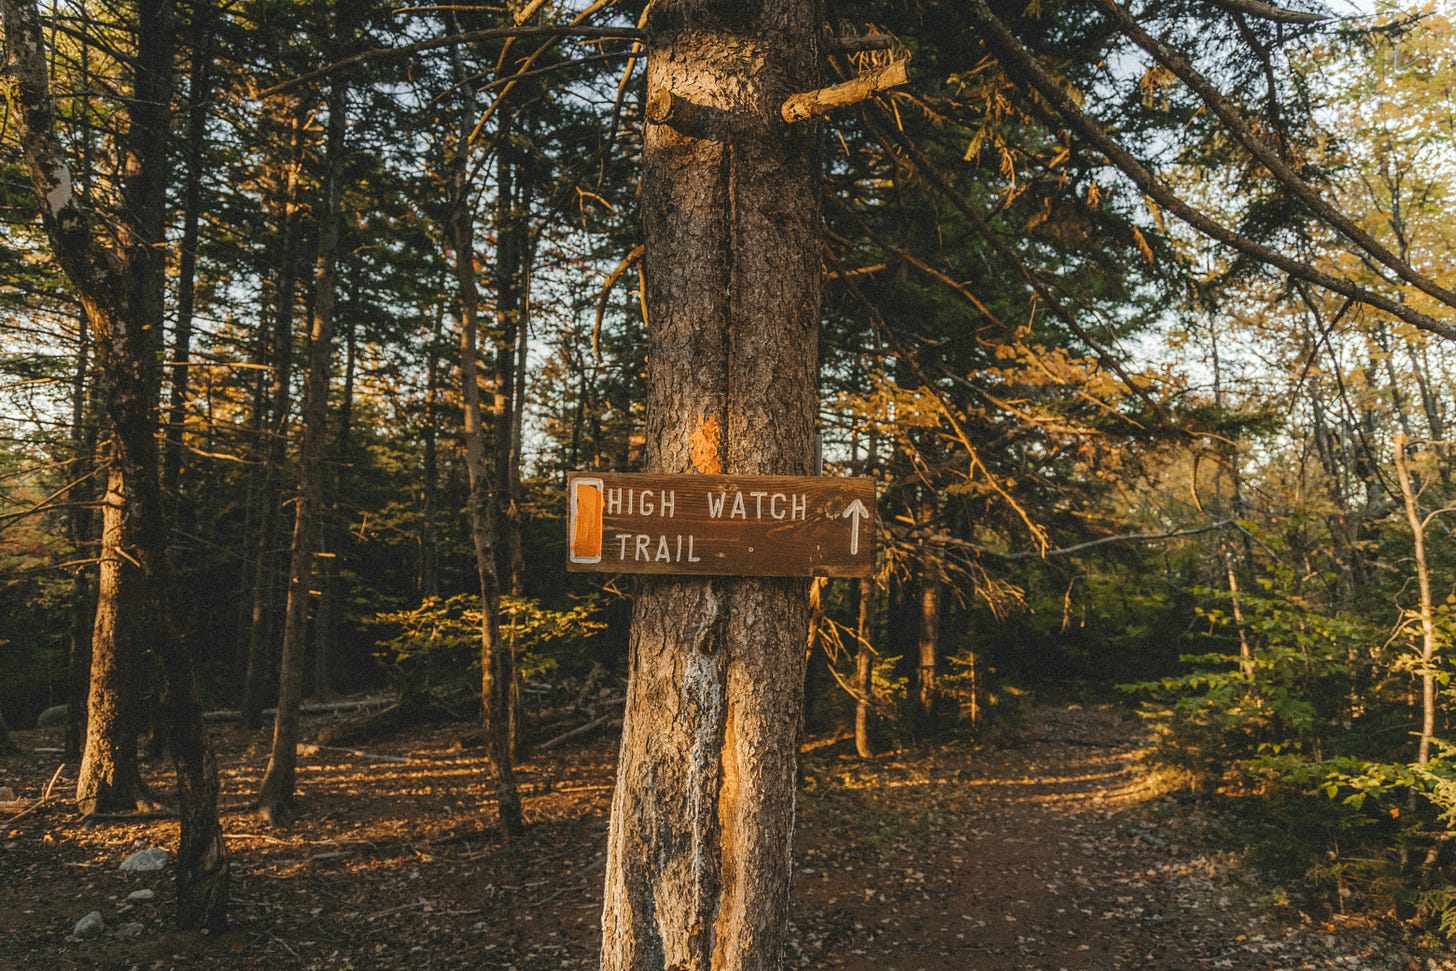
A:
x: 721, y: 525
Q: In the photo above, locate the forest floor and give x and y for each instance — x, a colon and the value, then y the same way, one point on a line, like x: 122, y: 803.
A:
x: 1049, y: 848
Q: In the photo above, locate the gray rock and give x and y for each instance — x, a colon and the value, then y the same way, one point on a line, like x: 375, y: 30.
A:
x: 89, y: 926
x: 145, y: 861
x: 54, y: 715
x: 143, y: 894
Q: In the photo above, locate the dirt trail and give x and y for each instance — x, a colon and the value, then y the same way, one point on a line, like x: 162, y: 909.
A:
x: 1044, y: 851
x: 1047, y: 854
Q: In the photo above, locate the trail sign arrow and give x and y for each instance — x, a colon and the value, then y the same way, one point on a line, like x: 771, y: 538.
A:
x: 719, y: 525
x: 857, y: 511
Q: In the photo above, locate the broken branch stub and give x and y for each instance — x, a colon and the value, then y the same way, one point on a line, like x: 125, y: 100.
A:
x: 821, y: 101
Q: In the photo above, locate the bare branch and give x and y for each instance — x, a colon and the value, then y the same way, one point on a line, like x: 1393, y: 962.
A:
x: 1267, y: 11
x: 1014, y: 56
x: 1082, y: 547
x: 809, y: 104
x: 435, y: 43
x: 1233, y: 119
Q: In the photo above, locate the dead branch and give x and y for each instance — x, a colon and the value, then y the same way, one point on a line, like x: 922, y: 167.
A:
x: 1018, y: 61
x: 809, y: 104
x: 321, y: 708
x: 311, y: 749
x: 611, y: 717
x: 434, y: 43
x: 1239, y: 127
x: 1267, y: 11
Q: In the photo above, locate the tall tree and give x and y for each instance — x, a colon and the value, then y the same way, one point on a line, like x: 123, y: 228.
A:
x: 120, y: 287
x: 275, y: 794
x: 702, y: 820
x: 497, y: 670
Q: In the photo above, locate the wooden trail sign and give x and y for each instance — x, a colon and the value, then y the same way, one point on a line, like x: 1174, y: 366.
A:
x: 721, y: 525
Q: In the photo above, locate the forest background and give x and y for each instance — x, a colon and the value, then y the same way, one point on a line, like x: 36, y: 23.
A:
x: 1111, y: 452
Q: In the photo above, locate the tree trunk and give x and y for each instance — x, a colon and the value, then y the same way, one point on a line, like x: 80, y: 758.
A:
x: 7, y: 744
x: 430, y: 488
x: 79, y: 533
x: 927, y: 693
x: 198, y: 91
x: 275, y: 794
x: 513, y: 231
x: 109, y: 779
x: 1425, y: 613
x: 864, y: 660
x: 497, y: 670
x: 121, y: 292
x: 274, y: 425
x: 700, y: 842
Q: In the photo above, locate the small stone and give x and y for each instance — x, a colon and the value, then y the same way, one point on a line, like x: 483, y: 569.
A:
x: 7, y: 794
x: 131, y: 929
x: 143, y: 894
x: 145, y: 861
x: 90, y: 926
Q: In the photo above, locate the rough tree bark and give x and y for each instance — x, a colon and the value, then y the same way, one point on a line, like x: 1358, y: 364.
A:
x: 698, y: 856
x: 120, y: 288
x: 276, y: 792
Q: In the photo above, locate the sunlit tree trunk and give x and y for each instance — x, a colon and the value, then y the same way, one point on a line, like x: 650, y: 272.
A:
x: 699, y: 847
x: 864, y: 665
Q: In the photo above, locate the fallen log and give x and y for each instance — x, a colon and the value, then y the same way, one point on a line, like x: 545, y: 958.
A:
x: 611, y: 718
x: 318, y: 708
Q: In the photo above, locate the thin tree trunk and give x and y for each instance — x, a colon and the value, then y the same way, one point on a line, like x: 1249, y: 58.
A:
x: 430, y: 488
x: 1236, y: 608
x: 198, y: 91
x: 927, y: 693
x: 78, y: 531
x: 256, y: 677
x: 513, y: 225
x: 276, y: 793
x: 1426, y: 612
x: 864, y: 660
x: 701, y: 836
x: 496, y: 667
x: 515, y: 540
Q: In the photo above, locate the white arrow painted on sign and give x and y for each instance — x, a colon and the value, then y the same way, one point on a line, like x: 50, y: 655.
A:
x: 857, y: 510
